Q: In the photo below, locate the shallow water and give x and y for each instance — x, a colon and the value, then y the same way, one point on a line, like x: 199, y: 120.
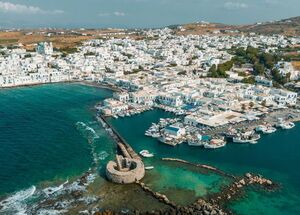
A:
x: 275, y: 156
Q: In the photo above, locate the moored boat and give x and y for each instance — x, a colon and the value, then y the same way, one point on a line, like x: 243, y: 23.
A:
x: 285, y: 125
x: 269, y: 130
x: 215, y: 144
x: 195, y: 143
x: 146, y: 154
x: 265, y: 129
x: 149, y: 167
x: 247, y: 137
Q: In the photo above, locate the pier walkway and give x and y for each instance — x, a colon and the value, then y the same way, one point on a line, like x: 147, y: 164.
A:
x: 125, y: 148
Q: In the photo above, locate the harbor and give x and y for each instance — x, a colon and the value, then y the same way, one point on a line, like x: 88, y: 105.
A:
x: 132, y: 129
x: 174, y: 131
x: 228, y: 154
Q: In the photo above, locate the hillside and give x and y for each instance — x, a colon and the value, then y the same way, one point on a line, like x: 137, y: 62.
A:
x: 288, y: 27
x: 70, y: 38
x: 61, y: 38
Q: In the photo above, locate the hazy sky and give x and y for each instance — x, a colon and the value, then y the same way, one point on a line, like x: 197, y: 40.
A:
x: 140, y: 13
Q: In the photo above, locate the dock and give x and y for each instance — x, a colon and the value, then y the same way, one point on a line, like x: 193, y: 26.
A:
x: 126, y: 150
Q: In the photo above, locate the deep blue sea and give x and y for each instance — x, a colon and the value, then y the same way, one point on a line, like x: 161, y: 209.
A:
x: 41, y: 144
x: 39, y: 141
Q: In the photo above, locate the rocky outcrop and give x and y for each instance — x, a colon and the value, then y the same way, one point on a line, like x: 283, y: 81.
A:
x: 235, y: 189
x: 199, y: 207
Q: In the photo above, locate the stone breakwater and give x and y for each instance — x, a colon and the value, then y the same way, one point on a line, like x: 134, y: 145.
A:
x: 199, y: 207
x: 207, y: 167
x: 230, y: 192
x: 234, y: 190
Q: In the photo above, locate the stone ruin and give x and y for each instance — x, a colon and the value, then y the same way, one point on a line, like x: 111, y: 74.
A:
x: 125, y: 170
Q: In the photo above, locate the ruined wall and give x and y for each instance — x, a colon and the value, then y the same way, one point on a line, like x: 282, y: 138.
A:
x: 127, y: 177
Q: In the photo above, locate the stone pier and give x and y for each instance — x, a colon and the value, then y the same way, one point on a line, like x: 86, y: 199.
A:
x: 128, y: 167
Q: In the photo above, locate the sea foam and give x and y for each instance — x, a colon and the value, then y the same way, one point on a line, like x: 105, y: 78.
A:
x: 16, y: 203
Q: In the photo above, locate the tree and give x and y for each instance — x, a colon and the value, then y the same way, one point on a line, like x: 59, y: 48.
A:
x: 251, y: 104
x: 249, y: 80
x: 215, y: 72
x: 243, y: 107
x: 240, y: 52
x: 267, y: 59
x: 212, y: 72
x: 259, y: 69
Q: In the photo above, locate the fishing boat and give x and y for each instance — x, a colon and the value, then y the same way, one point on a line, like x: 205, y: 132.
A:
x: 285, y: 125
x: 167, y: 140
x: 195, y: 142
x: 146, y: 154
x: 260, y: 128
x: 269, y: 130
x: 265, y: 129
x: 148, y: 133
x: 149, y: 167
x: 215, y: 144
x: 230, y: 134
x: 156, y: 135
x: 198, y: 141
x: 246, y: 137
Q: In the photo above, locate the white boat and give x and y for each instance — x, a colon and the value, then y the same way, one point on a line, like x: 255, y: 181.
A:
x: 195, y: 143
x: 265, y: 129
x: 284, y: 125
x: 147, y: 133
x: 146, y: 154
x: 287, y: 125
x: 149, y: 167
x: 156, y: 135
x: 215, y: 144
x: 269, y: 130
x: 242, y: 139
x: 260, y: 128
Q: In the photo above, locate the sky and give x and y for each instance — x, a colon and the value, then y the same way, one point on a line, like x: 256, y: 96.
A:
x: 140, y: 13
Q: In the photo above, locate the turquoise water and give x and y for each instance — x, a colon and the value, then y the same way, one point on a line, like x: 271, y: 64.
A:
x: 40, y: 144
x: 275, y: 156
x: 39, y: 141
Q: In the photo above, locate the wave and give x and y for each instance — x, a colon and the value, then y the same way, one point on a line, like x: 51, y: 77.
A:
x: 86, y: 131
x: 103, y: 155
x: 16, y: 204
x: 51, y: 212
x: 51, y: 190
